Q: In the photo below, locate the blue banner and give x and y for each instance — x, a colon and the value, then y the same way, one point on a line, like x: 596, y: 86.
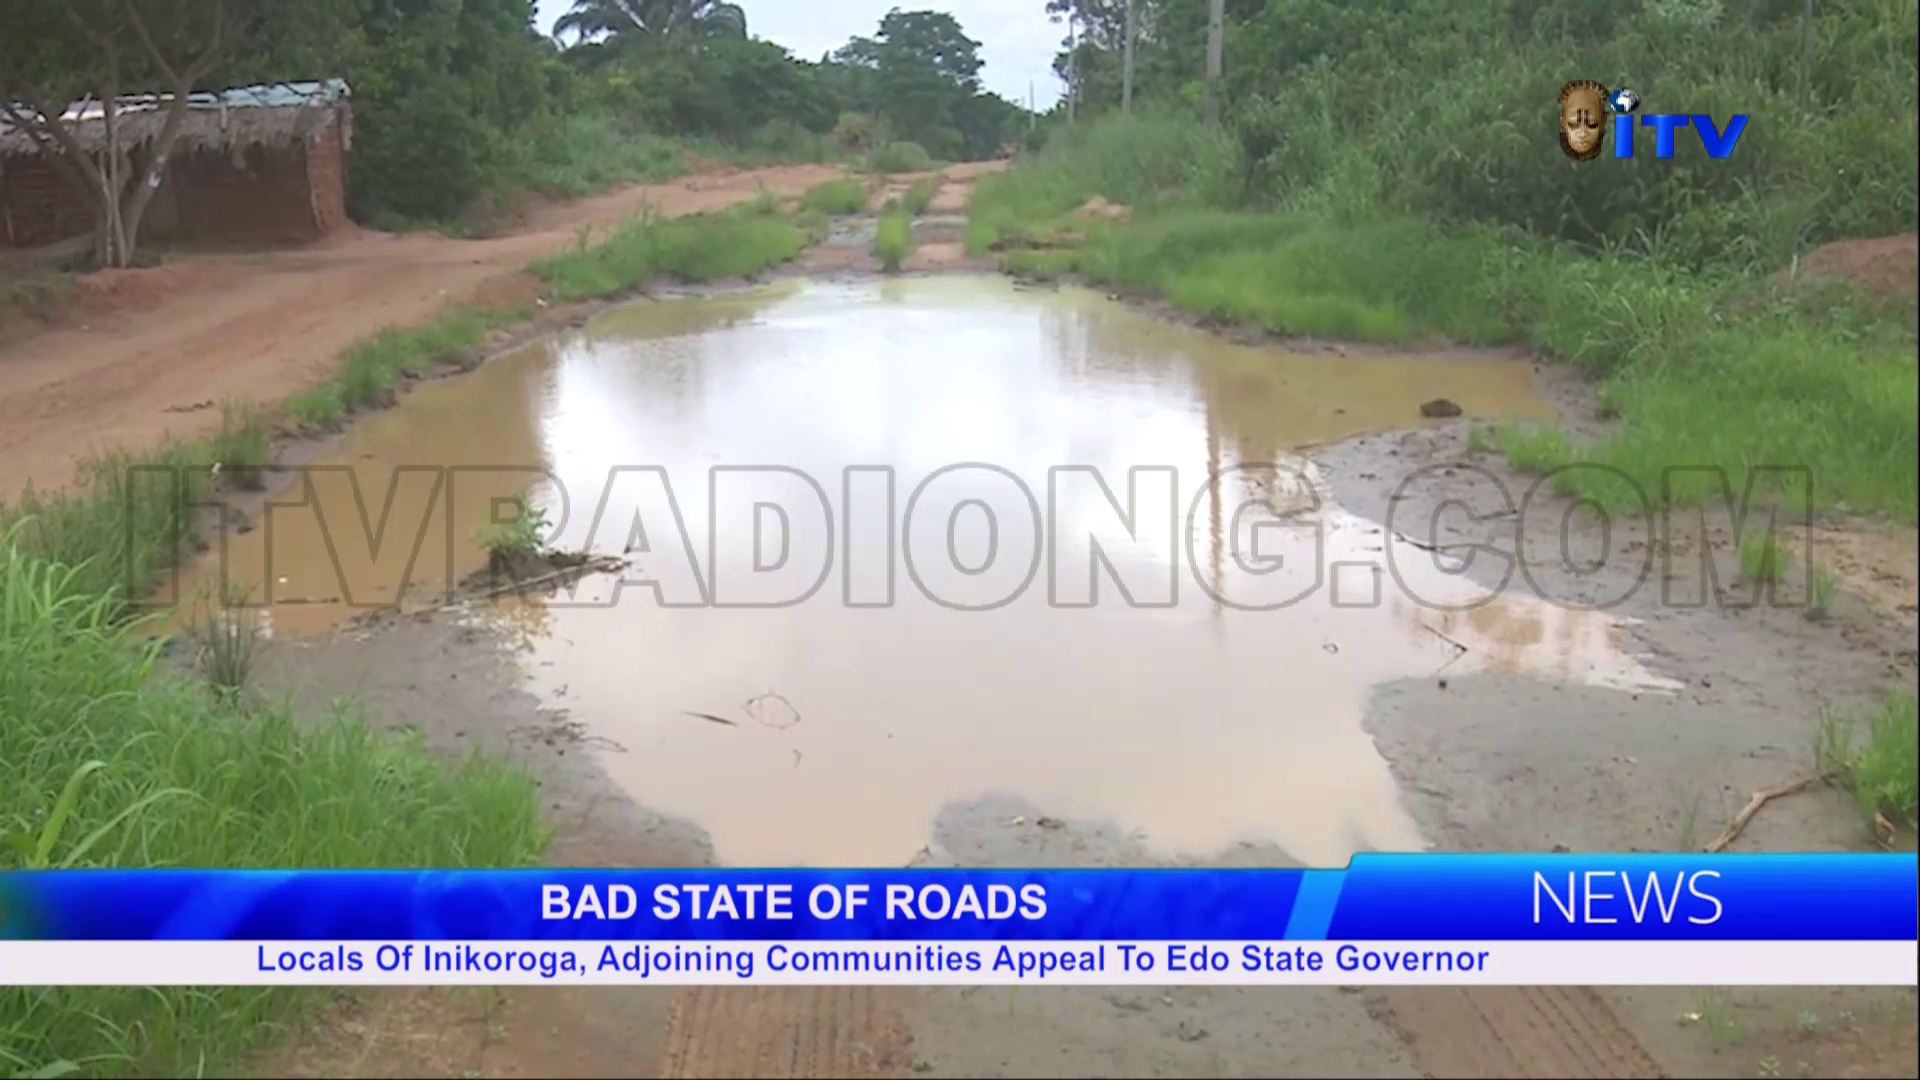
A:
x: 1378, y: 898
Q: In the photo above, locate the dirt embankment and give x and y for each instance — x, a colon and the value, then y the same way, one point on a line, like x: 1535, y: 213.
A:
x: 140, y: 352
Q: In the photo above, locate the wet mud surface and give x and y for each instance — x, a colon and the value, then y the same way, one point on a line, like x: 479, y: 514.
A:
x: 1583, y: 708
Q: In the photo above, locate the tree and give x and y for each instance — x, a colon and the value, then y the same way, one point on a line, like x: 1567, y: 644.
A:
x: 66, y: 63
x: 922, y: 67
x: 595, y: 20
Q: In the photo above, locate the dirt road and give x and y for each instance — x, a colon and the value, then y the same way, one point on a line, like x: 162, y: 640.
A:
x: 261, y: 327
x: 145, y: 349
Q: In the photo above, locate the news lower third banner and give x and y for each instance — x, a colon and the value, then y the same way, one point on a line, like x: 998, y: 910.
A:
x: 1753, y: 920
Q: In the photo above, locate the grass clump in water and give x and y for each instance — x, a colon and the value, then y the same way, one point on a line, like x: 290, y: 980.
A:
x: 835, y: 197
x: 107, y: 759
x: 523, y: 537
x: 920, y: 196
x: 893, y: 238
x: 242, y: 449
x: 705, y: 247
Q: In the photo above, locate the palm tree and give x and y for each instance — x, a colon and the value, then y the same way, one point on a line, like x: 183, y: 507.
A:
x: 596, y: 19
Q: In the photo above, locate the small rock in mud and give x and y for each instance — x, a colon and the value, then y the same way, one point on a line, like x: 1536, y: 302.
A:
x: 1439, y: 409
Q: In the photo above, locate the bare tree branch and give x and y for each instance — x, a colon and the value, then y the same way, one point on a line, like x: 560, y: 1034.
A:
x: 153, y: 51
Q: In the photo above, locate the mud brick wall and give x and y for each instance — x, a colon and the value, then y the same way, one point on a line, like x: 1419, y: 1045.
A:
x: 255, y: 194
x: 39, y: 203
x: 327, y: 177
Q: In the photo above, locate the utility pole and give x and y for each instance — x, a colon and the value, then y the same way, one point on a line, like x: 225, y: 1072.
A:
x: 1126, y: 67
x: 1216, y: 44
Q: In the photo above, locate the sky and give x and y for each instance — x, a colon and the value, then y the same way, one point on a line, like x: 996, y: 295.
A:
x: 1017, y: 41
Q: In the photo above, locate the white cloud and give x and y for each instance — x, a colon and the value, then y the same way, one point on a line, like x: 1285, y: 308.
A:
x: 1017, y: 41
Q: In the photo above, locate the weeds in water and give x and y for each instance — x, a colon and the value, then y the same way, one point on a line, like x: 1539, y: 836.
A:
x: 836, y: 197
x: 920, y: 196
x: 229, y: 636
x: 1877, y: 759
x: 892, y: 239
x: 1481, y: 439
x: 243, y: 448
x: 523, y: 537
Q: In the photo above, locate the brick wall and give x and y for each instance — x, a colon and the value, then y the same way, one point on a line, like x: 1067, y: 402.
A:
x: 39, y: 203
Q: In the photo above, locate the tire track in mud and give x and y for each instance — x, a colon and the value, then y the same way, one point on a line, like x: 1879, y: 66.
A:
x: 1523, y: 1031
x: 857, y: 1032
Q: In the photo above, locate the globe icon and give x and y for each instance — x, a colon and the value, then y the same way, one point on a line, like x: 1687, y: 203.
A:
x: 1624, y: 101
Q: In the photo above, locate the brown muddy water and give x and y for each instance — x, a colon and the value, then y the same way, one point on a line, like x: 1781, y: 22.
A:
x: 947, y: 605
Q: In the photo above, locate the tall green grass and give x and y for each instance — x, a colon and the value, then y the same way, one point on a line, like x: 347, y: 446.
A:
x: 1704, y: 369
x: 583, y: 153
x: 706, y: 247
x: 893, y: 239
x: 1876, y: 757
x: 107, y: 759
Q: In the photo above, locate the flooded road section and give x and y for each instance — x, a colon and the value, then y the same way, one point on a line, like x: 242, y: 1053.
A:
x: 873, y: 568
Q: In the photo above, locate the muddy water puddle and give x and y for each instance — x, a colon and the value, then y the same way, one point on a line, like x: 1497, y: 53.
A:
x: 897, y: 543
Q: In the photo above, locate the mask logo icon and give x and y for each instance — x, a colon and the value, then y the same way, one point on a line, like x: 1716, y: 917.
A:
x: 1583, y: 119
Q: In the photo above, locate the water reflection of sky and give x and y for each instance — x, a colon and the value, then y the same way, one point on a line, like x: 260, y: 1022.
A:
x: 1196, y: 724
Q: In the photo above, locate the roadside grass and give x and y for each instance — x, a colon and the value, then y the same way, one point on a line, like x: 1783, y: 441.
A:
x: 581, y: 154
x: 108, y: 759
x: 1709, y: 396
x: 893, y: 238
x: 778, y: 142
x: 1877, y: 759
x: 920, y: 195
x: 1761, y: 560
x: 706, y: 247
x: 1821, y: 592
x: 370, y: 373
x: 242, y: 449
x: 835, y: 197
x: 32, y: 293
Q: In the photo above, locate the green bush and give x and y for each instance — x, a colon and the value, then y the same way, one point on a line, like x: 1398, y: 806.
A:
x: 836, y: 197
x: 899, y: 157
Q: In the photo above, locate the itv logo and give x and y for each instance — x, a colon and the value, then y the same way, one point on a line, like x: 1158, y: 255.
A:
x: 1585, y: 106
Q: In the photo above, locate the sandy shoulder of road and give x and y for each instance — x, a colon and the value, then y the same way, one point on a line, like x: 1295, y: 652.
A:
x: 150, y: 354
